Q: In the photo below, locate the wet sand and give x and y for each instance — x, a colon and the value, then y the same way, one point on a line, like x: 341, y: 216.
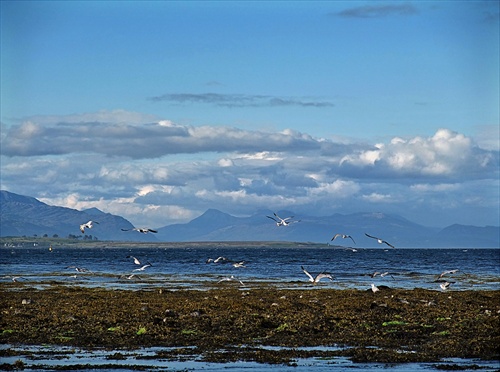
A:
x: 226, y: 323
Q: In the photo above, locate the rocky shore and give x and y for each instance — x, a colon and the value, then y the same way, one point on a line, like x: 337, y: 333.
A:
x: 226, y: 323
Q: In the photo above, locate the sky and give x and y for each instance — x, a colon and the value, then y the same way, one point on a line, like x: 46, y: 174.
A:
x: 158, y: 111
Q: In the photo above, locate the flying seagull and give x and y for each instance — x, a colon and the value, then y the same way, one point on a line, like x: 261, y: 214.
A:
x: 380, y: 241
x: 143, y: 230
x: 230, y: 279
x: 136, y: 260
x: 343, y: 236
x: 143, y: 267
x: 79, y: 269
x: 447, y: 272
x: 87, y: 225
x: 444, y: 286
x: 217, y: 260
x: 318, y: 277
x: 282, y: 221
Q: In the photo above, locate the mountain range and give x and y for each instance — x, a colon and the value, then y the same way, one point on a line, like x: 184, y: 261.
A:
x: 26, y: 216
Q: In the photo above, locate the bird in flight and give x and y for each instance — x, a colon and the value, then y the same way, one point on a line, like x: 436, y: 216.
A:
x: 87, y: 225
x: 343, y: 236
x: 217, y: 260
x: 143, y: 230
x: 444, y: 286
x: 136, y: 260
x: 447, y: 272
x: 380, y: 241
x: 230, y: 279
x: 143, y: 267
x: 318, y: 277
x: 282, y: 221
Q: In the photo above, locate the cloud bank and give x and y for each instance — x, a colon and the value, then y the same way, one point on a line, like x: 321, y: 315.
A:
x: 164, y: 173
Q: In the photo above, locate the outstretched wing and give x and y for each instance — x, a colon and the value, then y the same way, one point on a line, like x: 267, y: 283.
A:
x: 274, y: 219
x: 389, y: 244
x: 307, y: 273
x: 373, y: 237
x: 349, y: 236
x: 335, y: 236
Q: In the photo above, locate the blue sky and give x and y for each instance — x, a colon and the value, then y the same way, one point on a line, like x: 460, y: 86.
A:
x: 160, y: 110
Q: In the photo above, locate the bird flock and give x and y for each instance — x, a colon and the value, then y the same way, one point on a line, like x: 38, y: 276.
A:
x: 280, y: 222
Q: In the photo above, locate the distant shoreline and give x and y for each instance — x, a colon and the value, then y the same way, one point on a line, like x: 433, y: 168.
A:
x: 45, y: 242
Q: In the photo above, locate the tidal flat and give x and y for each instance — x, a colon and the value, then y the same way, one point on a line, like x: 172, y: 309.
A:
x: 225, y: 323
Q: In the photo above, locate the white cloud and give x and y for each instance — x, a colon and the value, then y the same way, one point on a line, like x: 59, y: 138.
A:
x: 128, y: 169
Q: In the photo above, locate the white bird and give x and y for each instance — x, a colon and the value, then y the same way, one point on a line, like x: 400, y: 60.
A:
x: 239, y: 264
x: 79, y: 269
x: 380, y: 241
x: 129, y: 277
x: 343, y: 236
x: 318, y: 277
x: 217, y: 260
x: 229, y: 279
x: 143, y: 230
x: 444, y: 286
x: 87, y: 225
x: 375, y: 288
x: 282, y: 221
x: 136, y: 261
x: 447, y: 272
x: 144, y: 267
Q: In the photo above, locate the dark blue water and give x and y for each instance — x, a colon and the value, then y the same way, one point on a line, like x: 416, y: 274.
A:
x: 187, y: 268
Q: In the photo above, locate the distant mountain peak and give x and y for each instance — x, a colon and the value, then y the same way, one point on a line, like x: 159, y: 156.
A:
x: 93, y: 211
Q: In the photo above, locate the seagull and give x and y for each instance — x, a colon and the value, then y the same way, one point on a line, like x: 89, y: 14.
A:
x: 318, y: 277
x: 143, y: 230
x: 87, y: 225
x: 230, y: 279
x: 79, y: 269
x: 129, y: 277
x: 447, y: 272
x: 380, y: 241
x: 239, y: 264
x: 375, y: 288
x: 343, y: 236
x: 444, y: 286
x: 144, y: 267
x: 282, y: 221
x: 217, y: 260
x: 136, y: 261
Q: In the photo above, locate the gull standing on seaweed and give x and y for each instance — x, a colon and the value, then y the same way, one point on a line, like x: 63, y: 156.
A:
x: 87, y: 225
x: 380, y: 241
x: 143, y: 230
x: 375, y: 288
x: 343, y: 236
x: 282, y: 221
x: 318, y: 277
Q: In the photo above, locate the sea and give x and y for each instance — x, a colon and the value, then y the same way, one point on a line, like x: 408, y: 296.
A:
x: 176, y: 268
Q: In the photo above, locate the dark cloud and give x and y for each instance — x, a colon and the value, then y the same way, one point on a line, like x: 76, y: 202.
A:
x: 378, y: 11
x: 239, y: 100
